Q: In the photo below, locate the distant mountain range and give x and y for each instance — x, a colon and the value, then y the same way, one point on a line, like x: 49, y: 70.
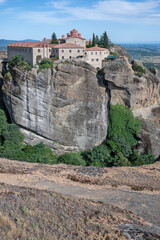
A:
x: 4, y: 42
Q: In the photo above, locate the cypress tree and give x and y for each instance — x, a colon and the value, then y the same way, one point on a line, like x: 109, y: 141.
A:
x: 93, y: 40
x: 54, y: 39
x: 90, y: 43
x: 97, y: 39
x: 105, y: 40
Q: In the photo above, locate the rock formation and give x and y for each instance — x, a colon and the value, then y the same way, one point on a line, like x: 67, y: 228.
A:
x: 141, y: 94
x: 67, y: 107
x: 64, y: 107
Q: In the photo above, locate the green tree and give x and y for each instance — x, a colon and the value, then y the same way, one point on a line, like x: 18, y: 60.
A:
x: 72, y: 159
x: 105, y: 40
x: 123, y: 128
x: 54, y: 38
x: 93, y: 40
x: 98, y: 156
x: 97, y: 39
x: 18, y: 61
x: 90, y: 43
x: 120, y: 160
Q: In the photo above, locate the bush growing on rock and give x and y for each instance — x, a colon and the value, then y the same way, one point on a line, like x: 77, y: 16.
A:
x: 122, y: 135
x: 123, y: 129
x: 98, y: 156
x: 11, y: 145
x: 72, y: 159
x: 45, y: 64
x: 139, y: 70
x: 18, y: 61
x: 120, y: 160
x: 40, y: 154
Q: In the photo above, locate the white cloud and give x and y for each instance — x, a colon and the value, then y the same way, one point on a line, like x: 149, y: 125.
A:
x: 2, y: 1
x: 146, y: 11
x: 48, y: 17
x: 114, y: 10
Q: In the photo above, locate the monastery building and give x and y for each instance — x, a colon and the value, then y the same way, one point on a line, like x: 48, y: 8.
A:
x: 72, y: 46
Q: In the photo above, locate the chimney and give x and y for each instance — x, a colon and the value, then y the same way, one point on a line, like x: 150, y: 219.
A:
x: 96, y: 45
x: 68, y: 34
x: 63, y: 36
x: 79, y: 35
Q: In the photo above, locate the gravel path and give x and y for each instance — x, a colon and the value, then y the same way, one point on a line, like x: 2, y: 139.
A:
x: 144, y: 205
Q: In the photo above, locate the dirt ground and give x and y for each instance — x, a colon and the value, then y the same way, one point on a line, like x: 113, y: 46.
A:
x: 136, y: 189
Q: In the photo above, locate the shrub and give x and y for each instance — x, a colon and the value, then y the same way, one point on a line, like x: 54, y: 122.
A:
x: 118, y: 144
x: 120, y: 160
x: 123, y: 128
x: 45, y: 64
x: 139, y: 70
x: 3, y: 121
x: 72, y: 159
x: 114, y: 54
x: 11, y: 146
x: 148, y: 158
x: 11, y: 133
x: 11, y: 151
x: 40, y: 154
x: 99, y: 156
x: 136, y: 159
x: 18, y: 61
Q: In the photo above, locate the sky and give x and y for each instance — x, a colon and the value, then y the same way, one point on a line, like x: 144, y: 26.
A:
x: 125, y: 21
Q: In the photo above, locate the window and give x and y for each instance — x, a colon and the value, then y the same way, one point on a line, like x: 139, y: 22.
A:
x: 39, y: 50
x: 70, y: 57
x: 62, y: 57
x: 97, y: 59
x: 70, y: 50
x: 96, y: 53
x: 49, y: 50
x: 91, y: 53
x: 78, y: 50
x: 92, y: 60
x: 100, y: 53
x: 62, y: 50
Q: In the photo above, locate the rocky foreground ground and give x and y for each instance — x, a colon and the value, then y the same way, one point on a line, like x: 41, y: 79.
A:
x: 70, y: 202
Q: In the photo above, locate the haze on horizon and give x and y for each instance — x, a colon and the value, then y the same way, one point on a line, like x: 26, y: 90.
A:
x: 125, y: 21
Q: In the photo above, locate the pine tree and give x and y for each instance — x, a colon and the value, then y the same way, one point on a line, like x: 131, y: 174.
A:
x: 97, y: 39
x: 90, y: 43
x: 54, y: 39
x: 106, y: 41
x: 93, y: 40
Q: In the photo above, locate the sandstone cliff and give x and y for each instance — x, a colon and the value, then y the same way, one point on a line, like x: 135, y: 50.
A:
x: 141, y: 94
x: 64, y: 107
x: 67, y: 107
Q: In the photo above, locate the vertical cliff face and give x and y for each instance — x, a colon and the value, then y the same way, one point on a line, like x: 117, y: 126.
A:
x: 64, y: 107
x: 141, y: 95
x: 67, y: 107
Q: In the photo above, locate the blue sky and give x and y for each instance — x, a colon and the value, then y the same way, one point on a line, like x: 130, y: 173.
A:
x: 124, y: 20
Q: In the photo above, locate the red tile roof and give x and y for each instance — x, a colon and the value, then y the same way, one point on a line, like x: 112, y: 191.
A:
x: 71, y: 37
x: 96, y: 48
x: 25, y: 44
x: 74, y: 30
x: 31, y: 44
x: 67, y: 45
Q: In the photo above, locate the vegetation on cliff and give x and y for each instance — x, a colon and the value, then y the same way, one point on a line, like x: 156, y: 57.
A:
x: 117, y: 151
x: 12, y: 147
x: 18, y: 61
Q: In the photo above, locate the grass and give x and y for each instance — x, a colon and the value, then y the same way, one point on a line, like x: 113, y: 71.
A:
x: 36, y: 214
